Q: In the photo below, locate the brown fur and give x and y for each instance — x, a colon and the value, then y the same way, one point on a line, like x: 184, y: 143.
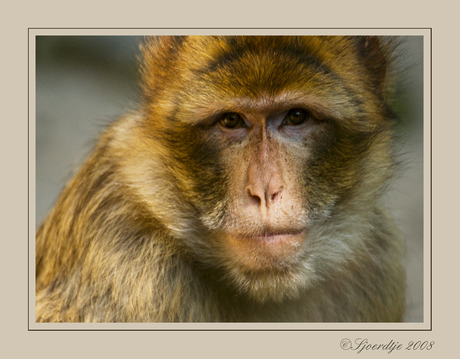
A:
x: 177, y: 217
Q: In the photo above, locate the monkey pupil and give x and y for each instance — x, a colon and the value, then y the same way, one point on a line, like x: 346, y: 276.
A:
x: 231, y: 120
x: 297, y: 116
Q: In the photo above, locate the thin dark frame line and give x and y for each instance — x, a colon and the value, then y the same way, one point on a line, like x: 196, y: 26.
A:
x: 229, y: 28
x: 225, y: 330
x: 217, y: 329
x: 28, y: 178
x: 431, y: 178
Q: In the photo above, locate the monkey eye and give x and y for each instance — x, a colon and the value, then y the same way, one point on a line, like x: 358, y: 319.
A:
x: 296, y: 116
x: 231, y: 120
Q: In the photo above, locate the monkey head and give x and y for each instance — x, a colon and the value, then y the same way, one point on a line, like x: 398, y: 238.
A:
x: 251, y: 149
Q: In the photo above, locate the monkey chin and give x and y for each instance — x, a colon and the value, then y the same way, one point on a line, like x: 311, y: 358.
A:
x: 269, y: 266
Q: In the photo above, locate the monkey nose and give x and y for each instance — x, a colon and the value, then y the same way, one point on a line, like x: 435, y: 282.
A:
x: 264, y: 196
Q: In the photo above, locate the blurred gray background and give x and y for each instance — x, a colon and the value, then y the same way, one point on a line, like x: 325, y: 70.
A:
x: 84, y: 82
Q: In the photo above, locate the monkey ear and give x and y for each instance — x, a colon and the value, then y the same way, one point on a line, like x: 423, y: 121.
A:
x: 170, y: 40
x: 375, y: 56
x: 159, y: 54
x: 158, y: 47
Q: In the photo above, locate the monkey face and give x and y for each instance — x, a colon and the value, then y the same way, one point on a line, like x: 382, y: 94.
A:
x: 255, y: 144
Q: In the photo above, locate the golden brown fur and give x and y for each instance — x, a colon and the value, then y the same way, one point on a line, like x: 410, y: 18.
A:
x: 185, y: 213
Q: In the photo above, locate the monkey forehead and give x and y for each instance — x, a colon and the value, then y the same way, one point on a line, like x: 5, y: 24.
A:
x: 319, y: 52
x: 250, y: 72
x: 270, y: 66
x: 245, y: 64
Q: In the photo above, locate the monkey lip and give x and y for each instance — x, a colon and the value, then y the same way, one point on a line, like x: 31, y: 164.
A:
x: 272, y: 240
x: 269, y: 250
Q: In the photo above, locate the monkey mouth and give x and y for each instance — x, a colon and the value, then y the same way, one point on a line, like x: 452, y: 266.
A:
x: 264, y: 250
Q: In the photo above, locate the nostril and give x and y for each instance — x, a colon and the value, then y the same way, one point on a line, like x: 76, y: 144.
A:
x: 275, y: 195
x: 254, y: 196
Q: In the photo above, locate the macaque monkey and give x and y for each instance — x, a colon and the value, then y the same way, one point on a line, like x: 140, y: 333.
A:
x: 244, y: 188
